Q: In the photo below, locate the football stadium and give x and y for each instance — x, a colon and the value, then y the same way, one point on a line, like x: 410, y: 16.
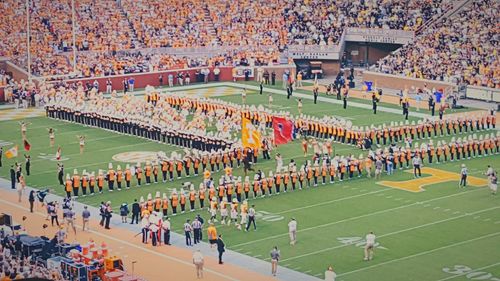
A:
x: 249, y: 140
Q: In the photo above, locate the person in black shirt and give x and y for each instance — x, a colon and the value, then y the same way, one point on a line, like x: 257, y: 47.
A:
x: 136, y: 210
x: 60, y: 173
x: 220, y: 248
x: 315, y: 94
x: 31, y: 199
x: 273, y: 78
x: 12, y: 177
x: 28, y: 164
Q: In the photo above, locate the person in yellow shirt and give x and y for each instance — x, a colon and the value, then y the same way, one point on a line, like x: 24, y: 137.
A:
x: 212, y: 235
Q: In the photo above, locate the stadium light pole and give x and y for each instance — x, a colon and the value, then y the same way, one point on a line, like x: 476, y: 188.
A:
x: 74, y: 34
x: 28, y: 37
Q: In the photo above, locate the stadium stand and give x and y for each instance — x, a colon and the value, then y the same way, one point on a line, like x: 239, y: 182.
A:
x: 448, y: 51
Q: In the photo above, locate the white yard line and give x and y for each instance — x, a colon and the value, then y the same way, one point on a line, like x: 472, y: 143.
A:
x: 424, y: 253
x: 332, y: 201
x: 395, y: 232
x: 354, y: 218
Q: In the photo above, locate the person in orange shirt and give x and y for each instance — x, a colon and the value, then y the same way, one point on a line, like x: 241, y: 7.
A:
x: 100, y: 181
x: 155, y: 171
x: 213, y: 210
x: 119, y: 177
x: 68, y: 187
x: 138, y: 174
x: 148, y: 172
x: 128, y: 176
x: 192, y: 197
x: 201, y: 195
x: 157, y: 202
x: 174, y: 201
x: 111, y: 177
x: 212, y: 235
x: 84, y: 182
x: 76, y: 183
x: 164, y: 205
x: 182, y: 200
x: 92, y: 183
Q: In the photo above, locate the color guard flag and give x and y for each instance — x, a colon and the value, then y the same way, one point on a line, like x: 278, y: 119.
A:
x: 11, y: 153
x: 27, y: 145
x: 283, y: 130
x: 58, y: 153
x: 250, y: 136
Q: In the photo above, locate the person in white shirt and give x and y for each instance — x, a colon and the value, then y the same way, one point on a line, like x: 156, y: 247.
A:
x: 198, y: 263
x: 330, y: 275
x: 292, y: 231
x: 370, y: 244
x: 463, y: 176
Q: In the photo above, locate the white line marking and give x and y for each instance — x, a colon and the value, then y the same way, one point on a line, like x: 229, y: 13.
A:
x: 395, y: 232
x: 423, y: 253
x: 407, y: 201
x: 488, y: 219
x: 307, y: 271
x: 354, y: 218
x: 476, y: 217
x: 497, y: 222
x: 446, y: 210
x: 331, y: 201
x: 427, y: 205
x: 456, y: 212
x: 468, y: 272
x: 389, y: 197
x: 257, y: 256
x: 247, y: 253
x: 435, y: 208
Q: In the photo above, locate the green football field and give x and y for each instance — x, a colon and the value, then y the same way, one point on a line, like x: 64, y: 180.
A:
x: 442, y: 233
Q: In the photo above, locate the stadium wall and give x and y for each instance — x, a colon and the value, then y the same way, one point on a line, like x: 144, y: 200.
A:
x: 400, y: 83
x: 483, y: 93
x: 152, y: 78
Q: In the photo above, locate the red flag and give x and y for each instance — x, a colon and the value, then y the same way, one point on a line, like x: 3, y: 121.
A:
x: 27, y: 145
x: 58, y: 153
x: 283, y: 130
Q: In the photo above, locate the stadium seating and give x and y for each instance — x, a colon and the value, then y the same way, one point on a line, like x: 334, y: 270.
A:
x: 449, y: 52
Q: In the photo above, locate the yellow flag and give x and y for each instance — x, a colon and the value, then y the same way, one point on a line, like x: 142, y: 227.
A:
x: 11, y: 153
x: 250, y: 136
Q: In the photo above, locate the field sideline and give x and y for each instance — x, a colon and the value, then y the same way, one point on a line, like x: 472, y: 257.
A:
x: 420, y: 234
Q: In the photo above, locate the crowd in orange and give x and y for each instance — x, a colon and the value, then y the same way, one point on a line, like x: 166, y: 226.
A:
x: 259, y: 31
x: 460, y: 49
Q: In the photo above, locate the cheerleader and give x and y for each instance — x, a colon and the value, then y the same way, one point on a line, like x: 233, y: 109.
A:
x: 24, y: 129
x: 234, y: 213
x: 223, y: 210
x: 52, y: 137
x: 213, y: 210
x: 81, y: 140
x: 243, y: 214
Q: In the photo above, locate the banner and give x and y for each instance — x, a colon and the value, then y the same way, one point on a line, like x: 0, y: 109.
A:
x: 250, y: 137
x: 283, y: 130
x: 11, y: 153
x: 239, y: 71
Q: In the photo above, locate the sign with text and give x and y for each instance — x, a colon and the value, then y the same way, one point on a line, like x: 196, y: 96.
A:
x: 378, y: 35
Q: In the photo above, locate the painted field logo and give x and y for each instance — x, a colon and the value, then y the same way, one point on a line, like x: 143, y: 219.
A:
x: 52, y: 157
x: 136, y: 156
x: 266, y: 216
x: 436, y: 176
x: 359, y: 242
